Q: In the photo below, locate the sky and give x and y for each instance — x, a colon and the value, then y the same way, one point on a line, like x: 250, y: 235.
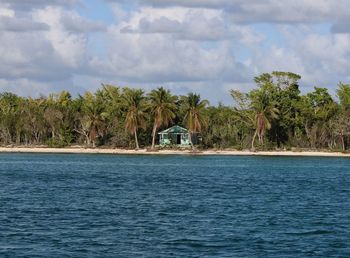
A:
x: 202, y: 46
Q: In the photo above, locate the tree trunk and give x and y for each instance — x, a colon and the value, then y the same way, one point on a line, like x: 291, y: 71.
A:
x: 190, y: 139
x: 308, y: 133
x: 88, y: 141
x: 342, y: 141
x: 18, y: 138
x: 36, y: 137
x: 9, y: 136
x: 92, y: 135
x: 256, y: 132
x: 154, y: 136
x: 136, y: 140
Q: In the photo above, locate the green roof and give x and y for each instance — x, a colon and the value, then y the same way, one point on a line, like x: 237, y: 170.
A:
x: 175, y: 130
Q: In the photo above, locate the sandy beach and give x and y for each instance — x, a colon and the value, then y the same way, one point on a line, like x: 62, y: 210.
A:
x: 79, y: 150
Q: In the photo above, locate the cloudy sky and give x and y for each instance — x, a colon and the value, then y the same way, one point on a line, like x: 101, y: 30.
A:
x: 205, y: 46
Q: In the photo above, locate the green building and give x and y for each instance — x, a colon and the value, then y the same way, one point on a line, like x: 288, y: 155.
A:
x: 175, y: 135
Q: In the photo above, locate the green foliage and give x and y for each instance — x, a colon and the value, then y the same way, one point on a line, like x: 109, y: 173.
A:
x: 134, y: 104
x: 263, y: 101
x: 194, y: 113
x: 10, y: 112
x: 343, y: 94
x: 273, y: 115
x: 162, y: 106
x: 65, y: 139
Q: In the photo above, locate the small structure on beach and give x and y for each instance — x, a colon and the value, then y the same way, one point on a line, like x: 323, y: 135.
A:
x: 175, y: 135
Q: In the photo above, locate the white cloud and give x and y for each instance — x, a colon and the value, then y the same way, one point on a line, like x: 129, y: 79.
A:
x: 25, y: 87
x: 268, y: 11
x: 189, y: 24
x: 73, y: 22
x: 69, y: 46
x: 193, y: 45
x: 38, y: 49
x: 33, y: 4
x: 6, y: 12
x: 320, y: 59
x: 20, y: 25
x: 155, y: 56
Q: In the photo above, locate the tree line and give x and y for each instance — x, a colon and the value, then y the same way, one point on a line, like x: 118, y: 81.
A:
x: 274, y: 115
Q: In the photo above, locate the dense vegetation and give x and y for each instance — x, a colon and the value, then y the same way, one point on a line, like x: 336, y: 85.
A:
x: 274, y: 115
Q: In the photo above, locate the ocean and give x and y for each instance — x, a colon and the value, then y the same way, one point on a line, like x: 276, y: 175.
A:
x: 59, y: 205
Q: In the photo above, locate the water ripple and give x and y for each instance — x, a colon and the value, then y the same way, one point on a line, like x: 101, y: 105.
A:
x: 176, y: 206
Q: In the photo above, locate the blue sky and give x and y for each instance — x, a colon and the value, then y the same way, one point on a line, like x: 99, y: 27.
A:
x: 205, y: 46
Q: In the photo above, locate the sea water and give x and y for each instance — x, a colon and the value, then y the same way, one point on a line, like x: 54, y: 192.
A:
x: 57, y: 205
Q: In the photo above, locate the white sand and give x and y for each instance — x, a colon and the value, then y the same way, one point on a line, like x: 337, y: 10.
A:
x: 77, y: 150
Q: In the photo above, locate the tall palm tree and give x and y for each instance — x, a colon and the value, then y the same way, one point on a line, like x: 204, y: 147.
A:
x: 265, y: 112
x: 92, y: 118
x: 194, y: 117
x: 162, y: 105
x: 133, y: 101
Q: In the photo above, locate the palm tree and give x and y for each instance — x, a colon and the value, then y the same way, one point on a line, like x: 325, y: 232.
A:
x: 265, y: 112
x: 92, y: 118
x: 134, y: 102
x: 194, y: 113
x: 10, y: 105
x: 162, y: 106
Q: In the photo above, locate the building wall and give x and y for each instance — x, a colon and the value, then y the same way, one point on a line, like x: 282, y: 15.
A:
x: 171, y: 139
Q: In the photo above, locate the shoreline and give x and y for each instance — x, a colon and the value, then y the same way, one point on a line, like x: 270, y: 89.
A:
x: 80, y: 150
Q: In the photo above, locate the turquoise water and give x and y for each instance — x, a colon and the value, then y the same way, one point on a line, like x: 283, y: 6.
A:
x: 143, y: 206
